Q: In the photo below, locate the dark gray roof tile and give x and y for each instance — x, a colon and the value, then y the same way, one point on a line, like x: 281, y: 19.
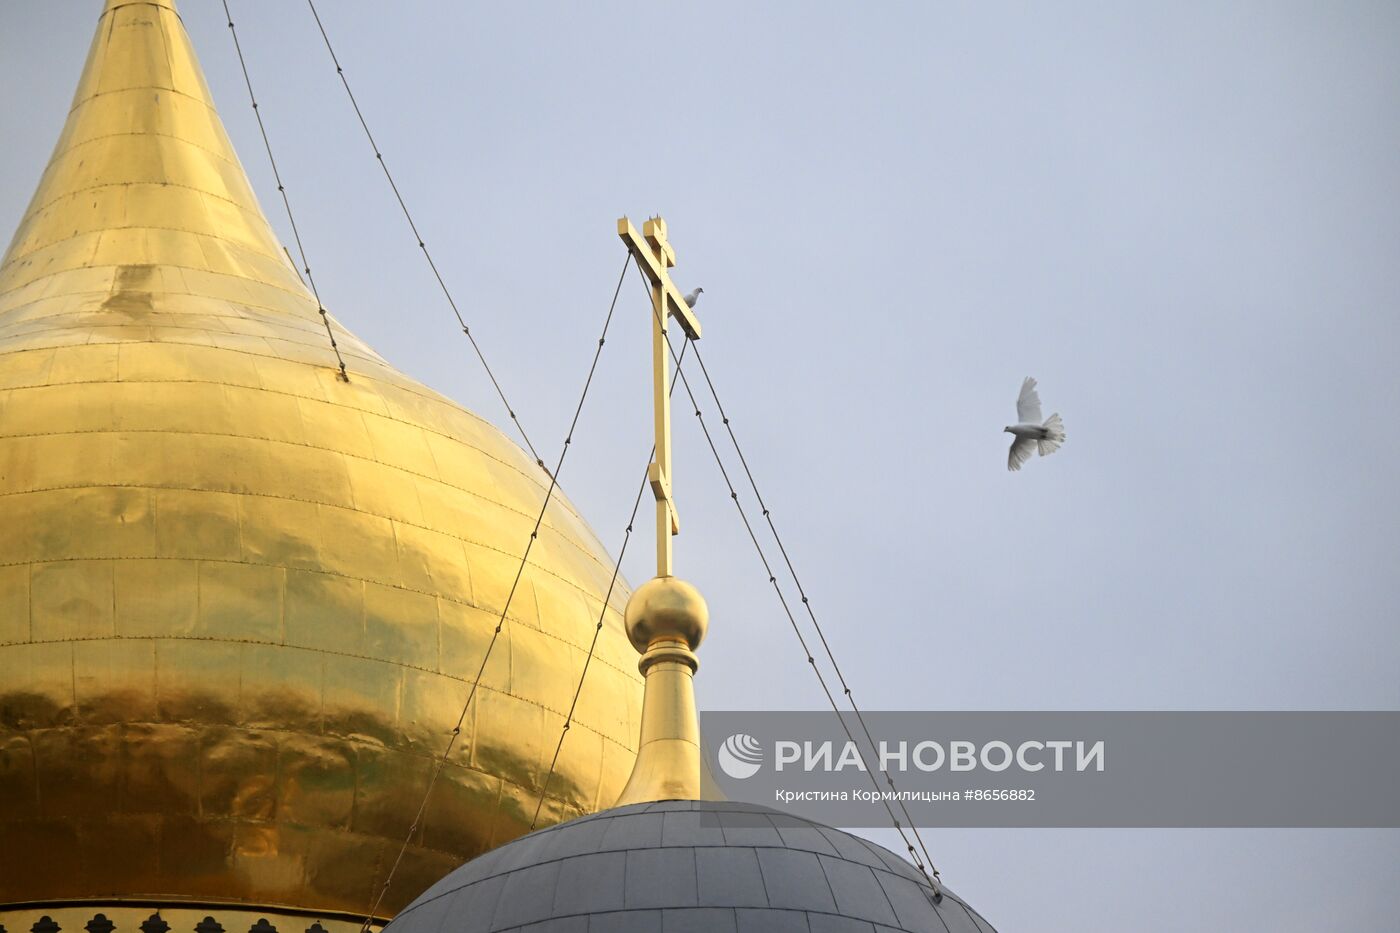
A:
x: 956, y: 917
x: 477, y: 902
x: 911, y: 903
x: 581, y: 839
x: 632, y: 831
x: 660, y: 878
x: 857, y: 892
x: 688, y: 828
x: 430, y: 915
x: 729, y: 877
x: 523, y: 900
x: 849, y: 847
x: 590, y: 883
x: 795, y: 880
x: 804, y: 836
x: 749, y: 829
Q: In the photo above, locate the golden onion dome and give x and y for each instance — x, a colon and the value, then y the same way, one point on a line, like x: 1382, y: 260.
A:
x: 241, y: 600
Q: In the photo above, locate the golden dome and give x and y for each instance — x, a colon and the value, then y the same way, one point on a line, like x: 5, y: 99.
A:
x: 241, y: 600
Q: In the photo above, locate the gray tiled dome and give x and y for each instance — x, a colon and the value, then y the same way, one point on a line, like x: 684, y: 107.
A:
x: 685, y: 866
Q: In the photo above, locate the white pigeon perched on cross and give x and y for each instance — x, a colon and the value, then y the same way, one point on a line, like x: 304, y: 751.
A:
x: 1030, y: 433
x: 693, y: 297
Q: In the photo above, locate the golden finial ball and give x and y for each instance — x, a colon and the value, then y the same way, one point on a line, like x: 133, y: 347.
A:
x: 666, y: 607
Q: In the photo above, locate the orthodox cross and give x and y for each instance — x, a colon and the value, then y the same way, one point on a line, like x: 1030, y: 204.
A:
x: 654, y: 256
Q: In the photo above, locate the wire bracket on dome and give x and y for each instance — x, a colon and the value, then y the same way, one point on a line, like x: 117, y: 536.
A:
x: 925, y: 864
x: 419, y: 239
x: 456, y: 731
x: 343, y: 376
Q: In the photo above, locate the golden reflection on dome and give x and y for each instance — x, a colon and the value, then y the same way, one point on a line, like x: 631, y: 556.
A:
x: 241, y: 600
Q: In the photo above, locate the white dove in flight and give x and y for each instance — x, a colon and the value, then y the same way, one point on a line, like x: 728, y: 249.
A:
x: 693, y: 297
x: 1030, y: 433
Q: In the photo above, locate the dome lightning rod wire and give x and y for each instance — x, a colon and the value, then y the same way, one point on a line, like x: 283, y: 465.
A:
x: 806, y: 602
x: 598, y: 629
x: 441, y: 761
x: 418, y: 238
x: 811, y: 659
x: 282, y: 190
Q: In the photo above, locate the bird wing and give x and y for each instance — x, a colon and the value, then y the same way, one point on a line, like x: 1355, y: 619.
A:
x: 1028, y: 404
x: 1021, y: 450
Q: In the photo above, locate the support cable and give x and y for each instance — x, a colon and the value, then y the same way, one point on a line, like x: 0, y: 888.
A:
x: 286, y: 201
x: 418, y: 238
x: 919, y: 863
x: 597, y: 630
x: 505, y: 608
x: 806, y: 602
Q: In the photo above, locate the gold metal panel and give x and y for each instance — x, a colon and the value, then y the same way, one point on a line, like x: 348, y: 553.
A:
x: 70, y: 763
x: 19, y: 787
x: 241, y: 601
x: 156, y: 597
x: 360, y: 699
x: 196, y: 524
x: 39, y: 689
x: 315, y: 781
x: 160, y: 772
x: 238, y: 769
x: 466, y: 632
x: 356, y: 544
x: 282, y: 688
x: 458, y: 811
x: 14, y: 603
x: 197, y: 681
x: 400, y: 445
x: 71, y: 599
x: 428, y: 709
x: 325, y: 611
x: 402, y: 626
x: 430, y: 561
x: 114, y: 680
x: 387, y: 783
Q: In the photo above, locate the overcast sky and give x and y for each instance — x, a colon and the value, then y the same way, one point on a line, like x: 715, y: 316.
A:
x: 1184, y: 219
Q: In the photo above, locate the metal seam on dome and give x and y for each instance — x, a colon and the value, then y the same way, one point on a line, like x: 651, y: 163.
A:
x: 407, y: 385
x: 95, y: 95
x: 20, y: 257
x: 563, y: 533
x: 398, y: 749
x: 271, y: 354
x: 527, y: 475
x: 35, y: 212
x: 30, y: 257
x: 334, y: 573
x: 427, y: 429
x: 77, y: 144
